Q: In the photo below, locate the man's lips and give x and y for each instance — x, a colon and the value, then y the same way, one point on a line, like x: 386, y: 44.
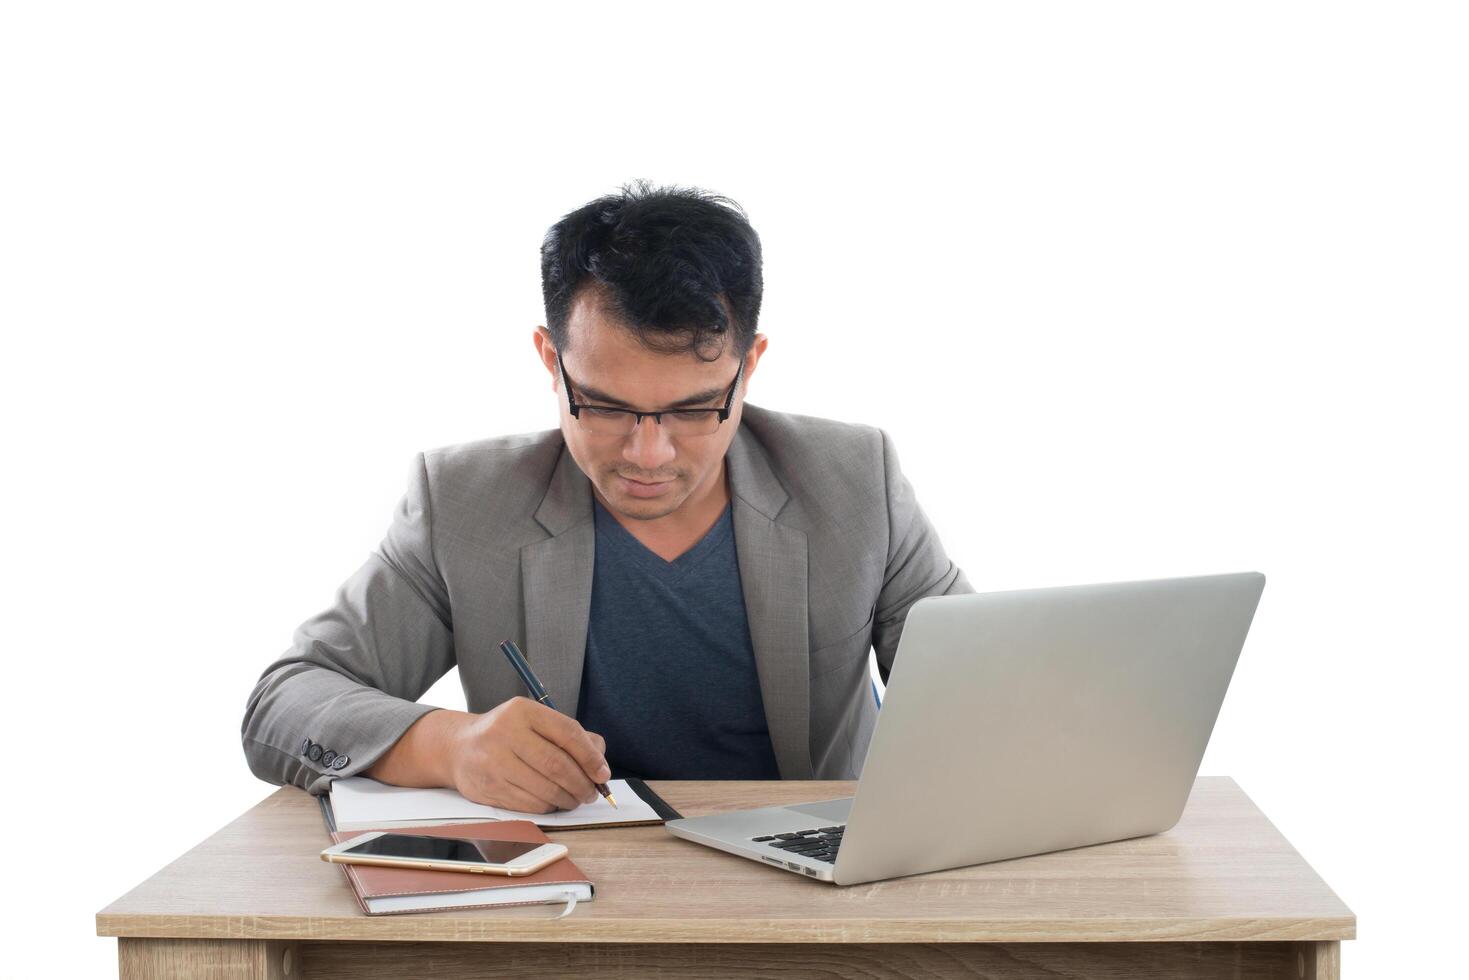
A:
x: 644, y: 488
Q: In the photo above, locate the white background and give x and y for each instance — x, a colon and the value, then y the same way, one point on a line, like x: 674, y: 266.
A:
x: 1139, y: 290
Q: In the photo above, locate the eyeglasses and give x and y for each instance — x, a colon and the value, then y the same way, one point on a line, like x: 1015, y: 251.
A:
x: 604, y: 420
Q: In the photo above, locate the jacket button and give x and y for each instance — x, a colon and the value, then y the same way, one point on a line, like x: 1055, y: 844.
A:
x: 327, y: 757
x: 315, y: 754
x: 306, y: 747
x: 341, y: 762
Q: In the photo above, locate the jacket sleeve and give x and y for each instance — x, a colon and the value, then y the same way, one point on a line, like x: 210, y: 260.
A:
x: 917, y: 565
x: 345, y: 691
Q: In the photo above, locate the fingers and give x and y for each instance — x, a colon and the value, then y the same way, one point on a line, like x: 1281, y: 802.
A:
x: 548, y: 760
x: 502, y: 790
x: 544, y: 790
x: 575, y: 742
x: 512, y: 797
x: 525, y: 756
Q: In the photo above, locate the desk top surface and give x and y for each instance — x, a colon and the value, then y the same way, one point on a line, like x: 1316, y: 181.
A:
x: 1224, y: 873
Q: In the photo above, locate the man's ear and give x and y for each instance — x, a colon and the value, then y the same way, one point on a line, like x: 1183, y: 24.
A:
x: 757, y: 351
x: 547, y: 351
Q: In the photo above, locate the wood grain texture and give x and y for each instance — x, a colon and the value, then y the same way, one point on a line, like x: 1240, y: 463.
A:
x: 1223, y: 874
x: 224, y: 959
x: 801, y: 961
x: 1320, y: 961
x: 206, y: 959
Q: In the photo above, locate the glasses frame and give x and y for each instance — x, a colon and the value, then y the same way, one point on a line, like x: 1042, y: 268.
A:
x: 657, y: 417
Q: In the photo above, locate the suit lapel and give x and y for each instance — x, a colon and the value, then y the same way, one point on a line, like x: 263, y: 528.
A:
x: 556, y: 583
x: 772, y: 561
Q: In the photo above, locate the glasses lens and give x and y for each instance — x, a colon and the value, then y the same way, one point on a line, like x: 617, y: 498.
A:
x: 690, y: 423
x: 606, y: 421
x: 609, y: 422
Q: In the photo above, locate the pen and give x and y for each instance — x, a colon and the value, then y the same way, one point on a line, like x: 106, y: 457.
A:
x: 533, y: 684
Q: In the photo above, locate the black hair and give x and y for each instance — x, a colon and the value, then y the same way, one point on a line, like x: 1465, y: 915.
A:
x: 678, y: 266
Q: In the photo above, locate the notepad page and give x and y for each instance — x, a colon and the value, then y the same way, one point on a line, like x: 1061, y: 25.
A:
x: 359, y: 801
x: 630, y: 807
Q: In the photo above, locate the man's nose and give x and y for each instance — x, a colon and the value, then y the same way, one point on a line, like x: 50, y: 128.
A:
x: 649, y: 446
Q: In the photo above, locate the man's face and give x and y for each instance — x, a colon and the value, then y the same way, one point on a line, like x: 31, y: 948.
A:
x: 648, y: 474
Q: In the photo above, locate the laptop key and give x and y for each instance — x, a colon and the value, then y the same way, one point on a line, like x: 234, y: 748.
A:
x: 788, y: 836
x: 771, y: 837
x: 831, y: 830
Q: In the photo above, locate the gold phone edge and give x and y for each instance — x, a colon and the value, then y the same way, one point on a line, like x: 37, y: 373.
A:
x: 383, y: 863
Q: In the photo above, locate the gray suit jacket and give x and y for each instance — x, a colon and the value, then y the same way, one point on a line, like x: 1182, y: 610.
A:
x: 494, y: 539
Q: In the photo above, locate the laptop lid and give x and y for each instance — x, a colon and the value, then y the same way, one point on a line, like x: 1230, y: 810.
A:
x: 1022, y: 722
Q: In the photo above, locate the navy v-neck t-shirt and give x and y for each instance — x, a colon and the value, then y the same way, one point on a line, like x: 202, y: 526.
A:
x: 669, y: 679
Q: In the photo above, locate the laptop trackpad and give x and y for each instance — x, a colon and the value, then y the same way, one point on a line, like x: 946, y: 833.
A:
x: 835, y: 810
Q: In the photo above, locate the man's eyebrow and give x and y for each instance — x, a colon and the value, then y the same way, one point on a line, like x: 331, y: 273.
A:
x: 593, y: 394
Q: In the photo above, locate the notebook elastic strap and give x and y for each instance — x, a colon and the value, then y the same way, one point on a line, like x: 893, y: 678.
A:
x: 570, y: 904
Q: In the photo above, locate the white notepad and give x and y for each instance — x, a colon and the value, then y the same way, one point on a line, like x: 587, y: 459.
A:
x: 359, y: 802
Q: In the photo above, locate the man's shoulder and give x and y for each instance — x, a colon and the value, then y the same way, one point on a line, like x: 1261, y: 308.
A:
x: 823, y: 462
x: 496, y: 451
x: 800, y: 438
x: 834, y: 476
x: 512, y: 471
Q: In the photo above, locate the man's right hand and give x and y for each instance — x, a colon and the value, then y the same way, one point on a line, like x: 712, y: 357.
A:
x: 522, y: 755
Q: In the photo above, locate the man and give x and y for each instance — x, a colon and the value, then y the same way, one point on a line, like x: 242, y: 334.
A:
x: 697, y: 581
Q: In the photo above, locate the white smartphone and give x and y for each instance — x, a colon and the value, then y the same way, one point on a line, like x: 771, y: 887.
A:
x: 491, y: 857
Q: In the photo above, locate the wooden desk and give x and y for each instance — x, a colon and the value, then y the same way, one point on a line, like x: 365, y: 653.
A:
x: 1222, y: 894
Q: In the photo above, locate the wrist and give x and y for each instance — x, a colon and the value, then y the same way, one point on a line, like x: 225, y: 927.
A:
x: 424, y: 755
x: 439, y: 746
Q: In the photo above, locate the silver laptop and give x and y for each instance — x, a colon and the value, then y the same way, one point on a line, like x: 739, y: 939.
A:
x: 1018, y: 723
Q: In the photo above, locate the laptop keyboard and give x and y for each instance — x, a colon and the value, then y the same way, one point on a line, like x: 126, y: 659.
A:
x: 818, y: 843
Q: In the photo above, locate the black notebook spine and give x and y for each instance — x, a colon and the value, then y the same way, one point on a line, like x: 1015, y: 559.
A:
x: 326, y: 812
x: 659, y: 805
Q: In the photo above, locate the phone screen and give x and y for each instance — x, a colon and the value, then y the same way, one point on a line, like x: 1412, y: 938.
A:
x: 443, y: 848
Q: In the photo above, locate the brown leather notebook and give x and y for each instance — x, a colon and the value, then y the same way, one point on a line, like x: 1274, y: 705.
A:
x: 390, y: 891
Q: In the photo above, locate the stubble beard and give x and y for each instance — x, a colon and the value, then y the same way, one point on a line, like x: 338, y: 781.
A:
x: 642, y: 509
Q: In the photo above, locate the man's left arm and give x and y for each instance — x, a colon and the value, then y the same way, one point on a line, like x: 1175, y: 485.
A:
x: 917, y: 565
